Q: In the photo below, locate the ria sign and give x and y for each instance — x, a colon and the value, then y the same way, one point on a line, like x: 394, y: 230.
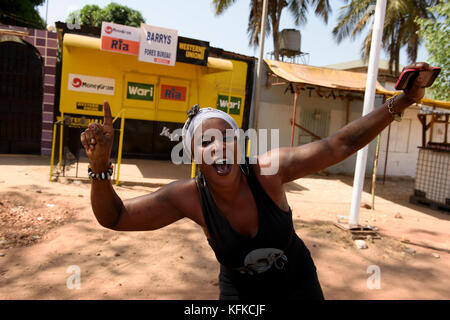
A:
x: 120, y: 38
x: 173, y: 93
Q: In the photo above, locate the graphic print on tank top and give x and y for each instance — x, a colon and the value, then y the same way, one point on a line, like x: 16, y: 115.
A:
x: 240, y: 253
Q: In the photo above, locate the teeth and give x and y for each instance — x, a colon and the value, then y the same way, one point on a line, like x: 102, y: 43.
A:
x: 221, y: 161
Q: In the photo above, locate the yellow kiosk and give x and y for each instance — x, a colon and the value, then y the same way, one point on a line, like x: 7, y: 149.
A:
x: 145, y: 91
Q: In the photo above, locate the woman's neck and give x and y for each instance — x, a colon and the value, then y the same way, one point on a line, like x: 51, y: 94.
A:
x: 228, y: 193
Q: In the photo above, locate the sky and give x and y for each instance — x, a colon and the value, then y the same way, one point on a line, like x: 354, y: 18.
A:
x: 196, y: 19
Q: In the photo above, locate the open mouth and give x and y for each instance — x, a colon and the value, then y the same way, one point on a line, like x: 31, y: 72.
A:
x: 222, y: 166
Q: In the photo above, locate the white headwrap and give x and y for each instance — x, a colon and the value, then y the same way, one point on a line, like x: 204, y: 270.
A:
x: 196, y: 117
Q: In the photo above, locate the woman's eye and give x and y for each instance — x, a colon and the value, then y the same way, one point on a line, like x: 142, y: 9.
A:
x: 205, y: 143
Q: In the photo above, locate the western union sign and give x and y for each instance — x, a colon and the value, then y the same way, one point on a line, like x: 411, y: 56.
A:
x: 192, y: 51
x: 140, y: 91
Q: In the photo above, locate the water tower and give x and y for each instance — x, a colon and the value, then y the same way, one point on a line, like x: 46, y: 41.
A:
x: 289, y: 43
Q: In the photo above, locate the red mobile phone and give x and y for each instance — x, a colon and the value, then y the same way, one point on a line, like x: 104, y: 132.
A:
x: 408, y: 76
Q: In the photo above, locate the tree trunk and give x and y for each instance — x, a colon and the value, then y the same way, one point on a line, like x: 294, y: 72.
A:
x: 274, y: 19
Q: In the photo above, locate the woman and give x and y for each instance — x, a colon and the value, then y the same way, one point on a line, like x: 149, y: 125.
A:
x: 244, y: 213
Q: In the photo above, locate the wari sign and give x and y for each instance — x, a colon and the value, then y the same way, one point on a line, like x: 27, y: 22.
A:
x: 173, y: 93
x: 158, y: 45
x: 140, y: 91
x: 90, y: 84
x: 192, y: 51
x: 233, y: 108
x: 120, y: 38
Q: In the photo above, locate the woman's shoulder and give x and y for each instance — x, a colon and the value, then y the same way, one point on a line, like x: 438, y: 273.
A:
x: 184, y: 195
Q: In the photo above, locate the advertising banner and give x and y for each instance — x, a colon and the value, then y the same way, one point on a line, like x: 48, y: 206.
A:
x: 140, y: 91
x: 120, y: 38
x: 233, y: 108
x: 192, y: 51
x: 158, y: 45
x: 91, y: 84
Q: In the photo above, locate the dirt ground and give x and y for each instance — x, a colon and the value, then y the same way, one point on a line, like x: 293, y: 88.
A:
x: 46, y: 228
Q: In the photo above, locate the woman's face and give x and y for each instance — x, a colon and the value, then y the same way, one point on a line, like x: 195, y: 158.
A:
x: 215, y: 150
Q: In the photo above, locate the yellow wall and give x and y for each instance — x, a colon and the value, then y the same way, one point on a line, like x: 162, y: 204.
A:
x: 81, y: 55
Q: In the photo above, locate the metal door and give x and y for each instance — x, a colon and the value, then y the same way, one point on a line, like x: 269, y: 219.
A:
x: 21, y: 92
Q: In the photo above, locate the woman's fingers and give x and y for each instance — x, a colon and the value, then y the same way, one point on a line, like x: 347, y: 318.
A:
x: 84, y: 141
x: 97, y: 132
x: 88, y: 139
x: 418, y: 65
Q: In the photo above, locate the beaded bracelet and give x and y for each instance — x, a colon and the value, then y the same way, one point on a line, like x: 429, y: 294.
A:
x: 390, y: 106
x: 101, y: 175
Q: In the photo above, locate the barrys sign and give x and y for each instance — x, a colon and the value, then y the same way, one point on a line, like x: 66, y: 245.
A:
x: 158, y: 45
x: 91, y: 84
x: 120, y: 38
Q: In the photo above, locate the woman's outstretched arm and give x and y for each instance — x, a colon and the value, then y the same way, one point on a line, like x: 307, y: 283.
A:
x: 300, y: 161
x: 148, y: 212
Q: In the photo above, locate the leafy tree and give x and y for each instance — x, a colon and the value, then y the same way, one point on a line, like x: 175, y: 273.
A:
x: 437, y: 41
x: 298, y: 8
x: 21, y: 13
x: 400, y: 26
x: 93, y: 15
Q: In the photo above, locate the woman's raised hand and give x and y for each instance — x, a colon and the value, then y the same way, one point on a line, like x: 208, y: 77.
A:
x: 417, y: 90
x: 97, y: 140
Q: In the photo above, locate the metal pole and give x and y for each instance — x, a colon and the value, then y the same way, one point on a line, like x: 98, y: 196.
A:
x: 254, y: 120
x: 119, y: 159
x: 374, y: 173
x: 46, y: 14
x: 369, y: 98
x: 293, y: 116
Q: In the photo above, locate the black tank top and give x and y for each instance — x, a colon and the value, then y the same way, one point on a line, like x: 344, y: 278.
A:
x: 270, y: 264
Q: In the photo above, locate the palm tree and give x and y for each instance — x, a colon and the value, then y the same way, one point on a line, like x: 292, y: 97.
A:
x: 400, y: 26
x: 298, y: 8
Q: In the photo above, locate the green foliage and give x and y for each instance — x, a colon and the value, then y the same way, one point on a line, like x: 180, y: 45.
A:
x: 400, y: 26
x: 21, y: 13
x: 298, y: 8
x: 93, y: 15
x: 437, y: 41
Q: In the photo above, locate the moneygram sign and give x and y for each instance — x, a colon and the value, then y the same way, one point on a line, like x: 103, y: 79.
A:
x: 140, y: 91
x: 90, y: 84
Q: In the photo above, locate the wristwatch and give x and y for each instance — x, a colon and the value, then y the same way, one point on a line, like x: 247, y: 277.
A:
x: 390, y: 106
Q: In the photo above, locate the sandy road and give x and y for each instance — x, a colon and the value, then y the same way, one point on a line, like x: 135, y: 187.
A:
x: 176, y: 262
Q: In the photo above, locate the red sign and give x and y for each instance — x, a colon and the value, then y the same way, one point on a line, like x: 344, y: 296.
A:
x: 76, y: 82
x: 173, y: 93
x: 120, y: 45
x: 120, y: 38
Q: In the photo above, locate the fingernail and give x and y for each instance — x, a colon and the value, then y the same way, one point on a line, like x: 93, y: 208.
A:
x: 92, y: 140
